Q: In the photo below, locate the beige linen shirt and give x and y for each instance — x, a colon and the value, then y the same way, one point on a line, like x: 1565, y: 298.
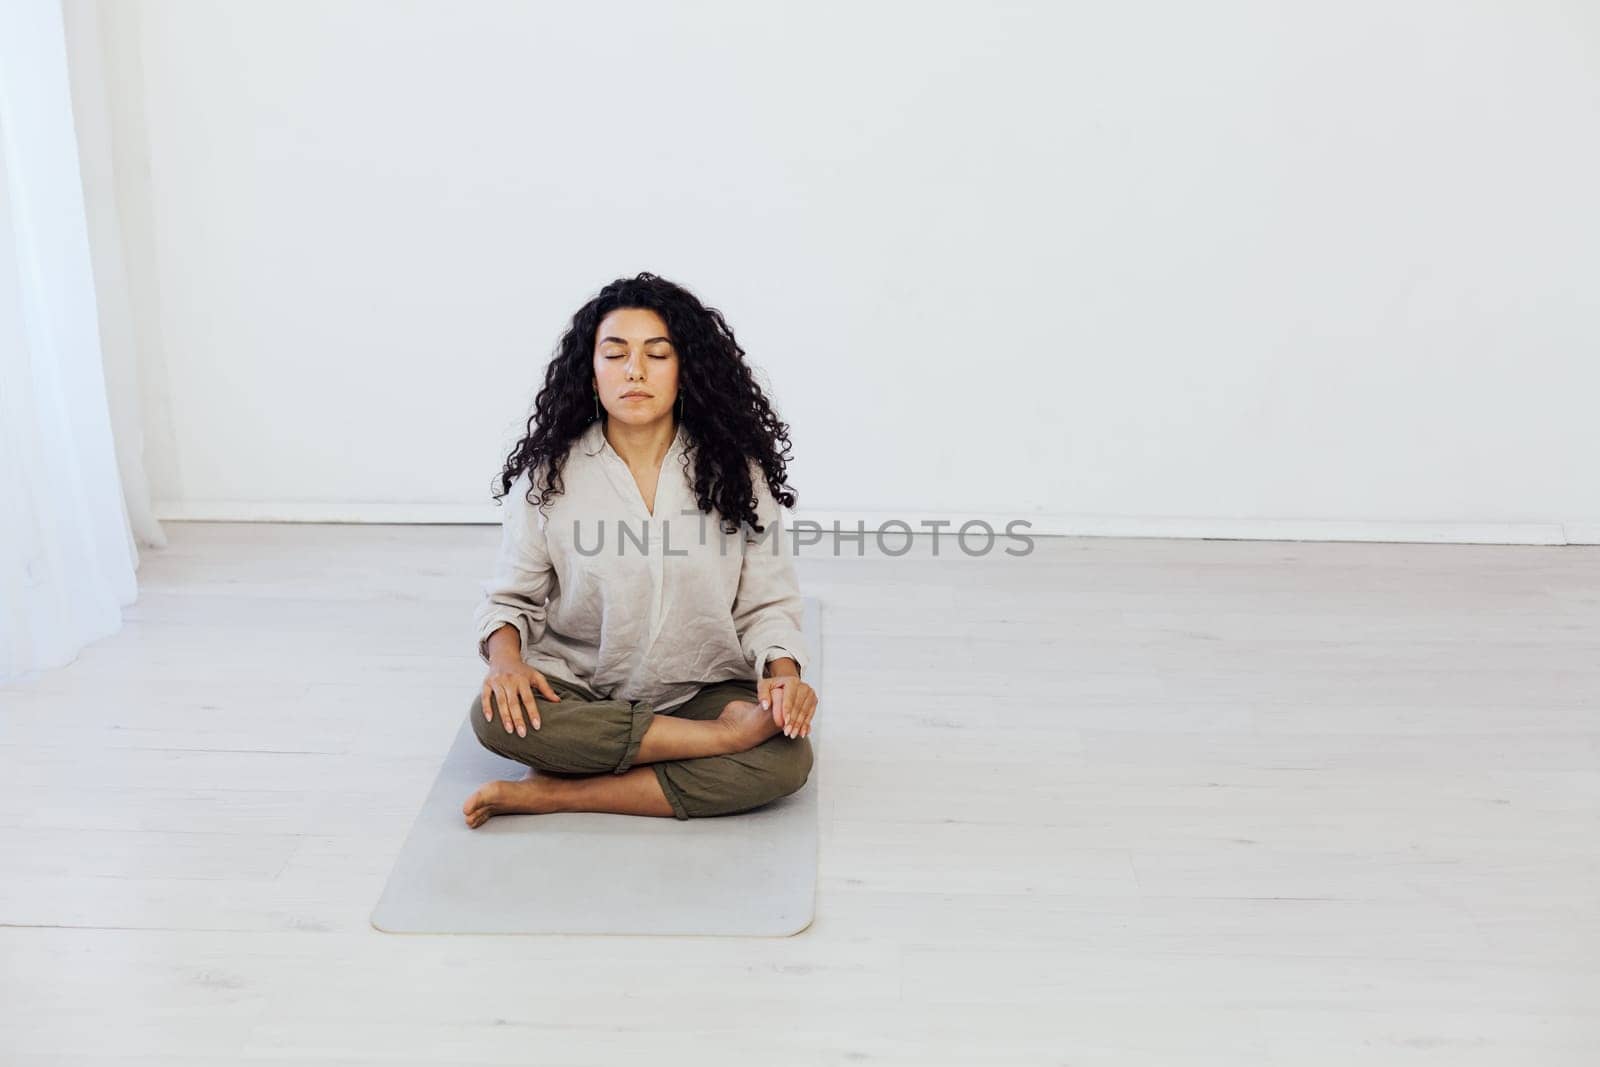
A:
x: 640, y: 606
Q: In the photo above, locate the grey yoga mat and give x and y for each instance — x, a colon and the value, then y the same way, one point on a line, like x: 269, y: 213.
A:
x: 749, y: 874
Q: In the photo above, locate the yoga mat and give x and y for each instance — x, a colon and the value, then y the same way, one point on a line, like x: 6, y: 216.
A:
x: 751, y: 874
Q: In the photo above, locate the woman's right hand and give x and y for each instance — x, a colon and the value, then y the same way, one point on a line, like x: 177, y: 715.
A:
x: 512, y: 685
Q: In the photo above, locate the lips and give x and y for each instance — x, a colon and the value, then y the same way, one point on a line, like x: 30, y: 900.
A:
x: 641, y: 396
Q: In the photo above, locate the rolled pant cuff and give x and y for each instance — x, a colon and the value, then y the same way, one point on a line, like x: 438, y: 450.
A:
x: 678, y: 810
x: 643, y: 712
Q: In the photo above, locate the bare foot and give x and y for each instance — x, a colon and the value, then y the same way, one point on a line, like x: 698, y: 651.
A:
x: 530, y: 795
x: 747, y: 724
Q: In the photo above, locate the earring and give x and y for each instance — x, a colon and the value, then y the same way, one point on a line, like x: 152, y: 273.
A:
x: 597, y: 406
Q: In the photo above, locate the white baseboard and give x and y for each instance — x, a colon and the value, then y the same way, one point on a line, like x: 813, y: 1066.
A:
x: 1187, y: 527
x: 1040, y: 525
x: 1582, y: 533
x: 360, y: 511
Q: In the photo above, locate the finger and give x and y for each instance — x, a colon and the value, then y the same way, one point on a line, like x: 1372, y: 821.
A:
x: 516, y: 708
x: 764, y: 692
x: 810, y: 712
x: 531, y: 704
x: 545, y: 688
x: 780, y: 707
x: 488, y: 703
x: 505, y: 706
x: 797, y: 714
x: 799, y: 711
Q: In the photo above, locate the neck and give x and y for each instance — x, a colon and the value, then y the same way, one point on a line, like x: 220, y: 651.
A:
x: 642, y: 446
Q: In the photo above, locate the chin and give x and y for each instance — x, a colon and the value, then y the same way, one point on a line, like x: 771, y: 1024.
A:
x: 639, y: 418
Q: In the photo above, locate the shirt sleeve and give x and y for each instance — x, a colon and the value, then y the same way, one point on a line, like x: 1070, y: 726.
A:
x: 767, y: 611
x: 523, y: 575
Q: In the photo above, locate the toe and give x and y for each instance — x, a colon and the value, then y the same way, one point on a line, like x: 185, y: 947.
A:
x: 478, y: 800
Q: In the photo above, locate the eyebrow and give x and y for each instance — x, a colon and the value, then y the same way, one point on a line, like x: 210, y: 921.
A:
x: 624, y: 340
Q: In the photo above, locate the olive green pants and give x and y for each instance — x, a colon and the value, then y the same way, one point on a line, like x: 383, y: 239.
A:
x: 582, y: 734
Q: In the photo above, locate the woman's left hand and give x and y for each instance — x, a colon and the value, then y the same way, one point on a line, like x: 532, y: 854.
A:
x: 791, y: 701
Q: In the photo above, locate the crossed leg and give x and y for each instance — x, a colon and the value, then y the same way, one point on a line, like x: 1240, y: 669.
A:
x: 716, y: 754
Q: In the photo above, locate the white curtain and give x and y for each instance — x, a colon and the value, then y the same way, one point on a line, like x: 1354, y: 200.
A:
x: 73, y: 493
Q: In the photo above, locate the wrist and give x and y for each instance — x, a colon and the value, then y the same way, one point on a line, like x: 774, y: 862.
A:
x: 782, y: 666
x: 503, y: 647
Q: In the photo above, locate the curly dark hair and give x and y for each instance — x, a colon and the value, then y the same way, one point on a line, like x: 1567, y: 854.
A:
x: 727, y: 419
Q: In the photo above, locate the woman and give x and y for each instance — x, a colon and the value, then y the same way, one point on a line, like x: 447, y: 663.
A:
x: 643, y: 626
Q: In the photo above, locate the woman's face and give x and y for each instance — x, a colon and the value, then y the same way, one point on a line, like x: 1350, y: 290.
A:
x: 633, y: 354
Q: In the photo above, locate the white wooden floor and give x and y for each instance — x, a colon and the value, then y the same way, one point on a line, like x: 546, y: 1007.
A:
x: 1115, y: 802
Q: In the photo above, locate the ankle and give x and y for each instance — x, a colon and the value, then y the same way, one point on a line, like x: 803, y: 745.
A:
x: 746, y: 725
x: 729, y: 734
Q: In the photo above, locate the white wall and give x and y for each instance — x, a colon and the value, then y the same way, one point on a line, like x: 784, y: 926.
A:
x: 1247, y: 269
